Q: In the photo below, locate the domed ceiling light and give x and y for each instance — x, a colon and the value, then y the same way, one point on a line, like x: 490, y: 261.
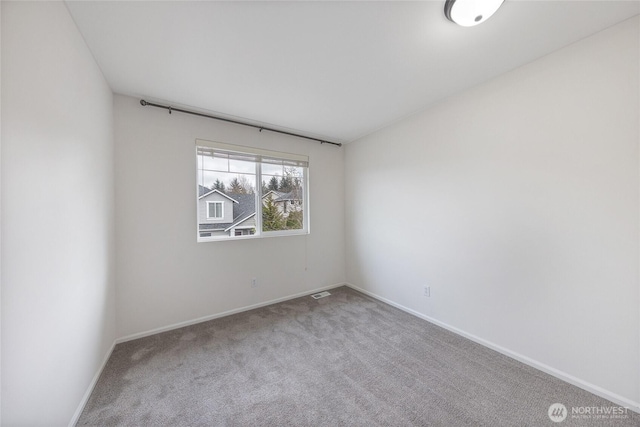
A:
x: 470, y: 12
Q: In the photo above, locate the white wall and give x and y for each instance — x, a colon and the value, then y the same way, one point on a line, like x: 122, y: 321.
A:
x: 520, y: 209
x: 0, y: 217
x: 58, y: 220
x: 163, y: 275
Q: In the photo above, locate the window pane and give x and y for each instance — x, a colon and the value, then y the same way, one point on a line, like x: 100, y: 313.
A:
x: 232, y: 205
x: 268, y: 169
x: 241, y: 166
x: 215, y: 210
x: 296, y: 171
x: 283, y: 209
x: 215, y: 163
x: 209, y: 178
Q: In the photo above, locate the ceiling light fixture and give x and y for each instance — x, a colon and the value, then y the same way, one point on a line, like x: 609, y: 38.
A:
x: 470, y: 12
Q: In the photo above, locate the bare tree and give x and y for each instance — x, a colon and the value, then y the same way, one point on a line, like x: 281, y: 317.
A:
x: 246, y: 185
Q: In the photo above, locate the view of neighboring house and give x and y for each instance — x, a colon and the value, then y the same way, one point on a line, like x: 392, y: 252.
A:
x: 221, y: 214
x: 232, y: 214
x: 285, y: 202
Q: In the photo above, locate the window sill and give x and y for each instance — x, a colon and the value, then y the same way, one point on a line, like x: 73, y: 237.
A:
x: 267, y: 235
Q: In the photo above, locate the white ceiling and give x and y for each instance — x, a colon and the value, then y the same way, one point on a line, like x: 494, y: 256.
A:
x: 338, y: 70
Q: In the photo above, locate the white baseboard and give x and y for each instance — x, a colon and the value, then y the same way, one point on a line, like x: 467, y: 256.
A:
x: 599, y: 391
x: 222, y: 314
x: 92, y: 385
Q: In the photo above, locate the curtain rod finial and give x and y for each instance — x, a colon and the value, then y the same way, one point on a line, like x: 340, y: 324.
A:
x: 143, y: 102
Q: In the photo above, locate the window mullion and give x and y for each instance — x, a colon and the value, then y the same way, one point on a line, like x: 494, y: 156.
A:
x: 258, y: 198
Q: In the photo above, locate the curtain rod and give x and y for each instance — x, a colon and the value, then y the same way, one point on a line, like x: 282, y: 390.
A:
x: 195, y: 113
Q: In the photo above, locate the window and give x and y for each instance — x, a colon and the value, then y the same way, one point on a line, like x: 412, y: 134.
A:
x: 215, y: 210
x: 245, y: 192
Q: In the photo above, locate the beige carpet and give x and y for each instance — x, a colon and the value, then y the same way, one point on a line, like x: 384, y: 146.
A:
x: 346, y: 359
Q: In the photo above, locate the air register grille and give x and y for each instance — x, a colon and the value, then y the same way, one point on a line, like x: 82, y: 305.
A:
x: 320, y: 295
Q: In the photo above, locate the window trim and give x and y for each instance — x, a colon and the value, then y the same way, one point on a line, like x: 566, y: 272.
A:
x: 293, y: 159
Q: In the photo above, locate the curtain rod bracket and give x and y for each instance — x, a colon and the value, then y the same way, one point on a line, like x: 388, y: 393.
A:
x: 237, y: 122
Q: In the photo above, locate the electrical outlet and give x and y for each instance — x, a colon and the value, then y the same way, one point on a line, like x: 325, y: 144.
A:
x: 427, y: 291
x: 254, y: 283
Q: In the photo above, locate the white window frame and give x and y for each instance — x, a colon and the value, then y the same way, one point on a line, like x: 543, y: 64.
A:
x: 258, y: 191
x: 215, y: 202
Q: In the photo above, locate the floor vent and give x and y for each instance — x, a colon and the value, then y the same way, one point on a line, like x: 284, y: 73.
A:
x: 320, y: 295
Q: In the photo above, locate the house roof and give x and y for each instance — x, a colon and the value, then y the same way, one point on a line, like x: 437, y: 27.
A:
x: 246, y: 206
x: 240, y: 221
x: 211, y: 227
x: 287, y: 196
x: 219, y: 192
x: 270, y: 192
x: 279, y: 195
